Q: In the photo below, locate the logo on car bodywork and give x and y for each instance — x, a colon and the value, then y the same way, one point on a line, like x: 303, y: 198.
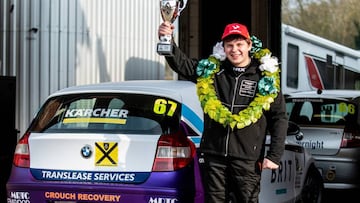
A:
x: 86, y: 151
x: 106, y: 153
x: 162, y: 200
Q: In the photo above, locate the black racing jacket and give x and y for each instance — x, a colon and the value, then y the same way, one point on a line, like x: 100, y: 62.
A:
x: 236, y: 91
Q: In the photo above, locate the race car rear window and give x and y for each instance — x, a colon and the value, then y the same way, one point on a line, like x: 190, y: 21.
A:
x: 317, y: 111
x: 111, y: 113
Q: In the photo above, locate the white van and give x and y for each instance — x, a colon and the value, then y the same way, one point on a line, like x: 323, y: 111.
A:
x: 309, y: 62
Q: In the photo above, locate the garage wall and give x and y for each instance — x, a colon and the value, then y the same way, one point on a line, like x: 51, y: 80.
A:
x: 52, y: 44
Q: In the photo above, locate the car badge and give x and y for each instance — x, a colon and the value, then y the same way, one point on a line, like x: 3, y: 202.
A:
x: 299, y: 136
x: 86, y: 151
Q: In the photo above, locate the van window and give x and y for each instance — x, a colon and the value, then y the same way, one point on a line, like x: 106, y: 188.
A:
x: 292, y: 66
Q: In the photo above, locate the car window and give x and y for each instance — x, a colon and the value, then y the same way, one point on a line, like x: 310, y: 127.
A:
x: 320, y: 111
x: 114, y: 113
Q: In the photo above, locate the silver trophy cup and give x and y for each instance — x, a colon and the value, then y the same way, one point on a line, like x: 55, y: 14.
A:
x: 169, y: 10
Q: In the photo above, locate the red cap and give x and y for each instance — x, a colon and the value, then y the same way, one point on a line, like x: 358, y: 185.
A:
x: 236, y: 29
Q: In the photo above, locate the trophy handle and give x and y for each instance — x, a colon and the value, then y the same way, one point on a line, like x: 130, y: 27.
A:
x: 182, y: 5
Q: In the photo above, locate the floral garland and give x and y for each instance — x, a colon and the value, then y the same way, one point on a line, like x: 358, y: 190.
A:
x: 268, y: 87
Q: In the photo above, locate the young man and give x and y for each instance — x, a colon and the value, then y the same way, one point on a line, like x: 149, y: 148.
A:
x: 237, y: 119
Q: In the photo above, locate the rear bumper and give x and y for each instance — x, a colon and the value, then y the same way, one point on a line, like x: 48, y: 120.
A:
x: 172, y: 187
x: 339, y: 172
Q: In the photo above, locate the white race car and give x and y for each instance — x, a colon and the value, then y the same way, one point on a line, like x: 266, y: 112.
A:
x: 133, y: 141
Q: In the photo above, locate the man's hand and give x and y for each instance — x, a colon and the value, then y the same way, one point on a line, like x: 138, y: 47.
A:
x: 267, y: 164
x: 165, y: 29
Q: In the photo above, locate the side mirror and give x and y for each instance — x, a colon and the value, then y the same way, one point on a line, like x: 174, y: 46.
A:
x: 293, y: 128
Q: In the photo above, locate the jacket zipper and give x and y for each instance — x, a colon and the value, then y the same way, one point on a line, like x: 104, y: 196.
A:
x: 231, y: 110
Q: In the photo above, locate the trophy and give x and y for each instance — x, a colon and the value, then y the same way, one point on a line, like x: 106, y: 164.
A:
x: 169, y: 10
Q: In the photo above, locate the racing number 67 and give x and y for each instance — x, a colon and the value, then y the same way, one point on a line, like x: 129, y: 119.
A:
x: 161, y: 107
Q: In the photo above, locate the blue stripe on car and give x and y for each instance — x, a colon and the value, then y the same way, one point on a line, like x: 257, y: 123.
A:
x: 195, y: 140
x: 193, y: 118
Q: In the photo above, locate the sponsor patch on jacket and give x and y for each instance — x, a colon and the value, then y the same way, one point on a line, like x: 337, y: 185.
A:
x: 247, y: 88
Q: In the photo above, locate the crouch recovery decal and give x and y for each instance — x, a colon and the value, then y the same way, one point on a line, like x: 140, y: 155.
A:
x: 89, y: 176
x: 99, y: 115
x: 78, y: 196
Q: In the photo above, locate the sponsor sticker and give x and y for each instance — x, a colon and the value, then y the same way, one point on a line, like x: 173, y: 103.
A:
x: 89, y: 176
x: 106, y: 153
x: 99, y: 115
x: 89, y: 197
x: 18, y: 197
x: 247, y: 88
x: 162, y: 200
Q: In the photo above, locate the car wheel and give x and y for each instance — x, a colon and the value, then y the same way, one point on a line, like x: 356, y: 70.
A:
x: 313, y: 187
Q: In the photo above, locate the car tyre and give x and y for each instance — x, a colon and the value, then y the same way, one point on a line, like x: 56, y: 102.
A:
x: 313, y: 187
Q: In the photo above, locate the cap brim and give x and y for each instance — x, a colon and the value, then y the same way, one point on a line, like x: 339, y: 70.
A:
x: 225, y: 36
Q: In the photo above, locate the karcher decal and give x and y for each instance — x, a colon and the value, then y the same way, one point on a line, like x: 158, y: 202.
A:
x: 108, y: 113
x: 106, y: 153
x: 100, y: 115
